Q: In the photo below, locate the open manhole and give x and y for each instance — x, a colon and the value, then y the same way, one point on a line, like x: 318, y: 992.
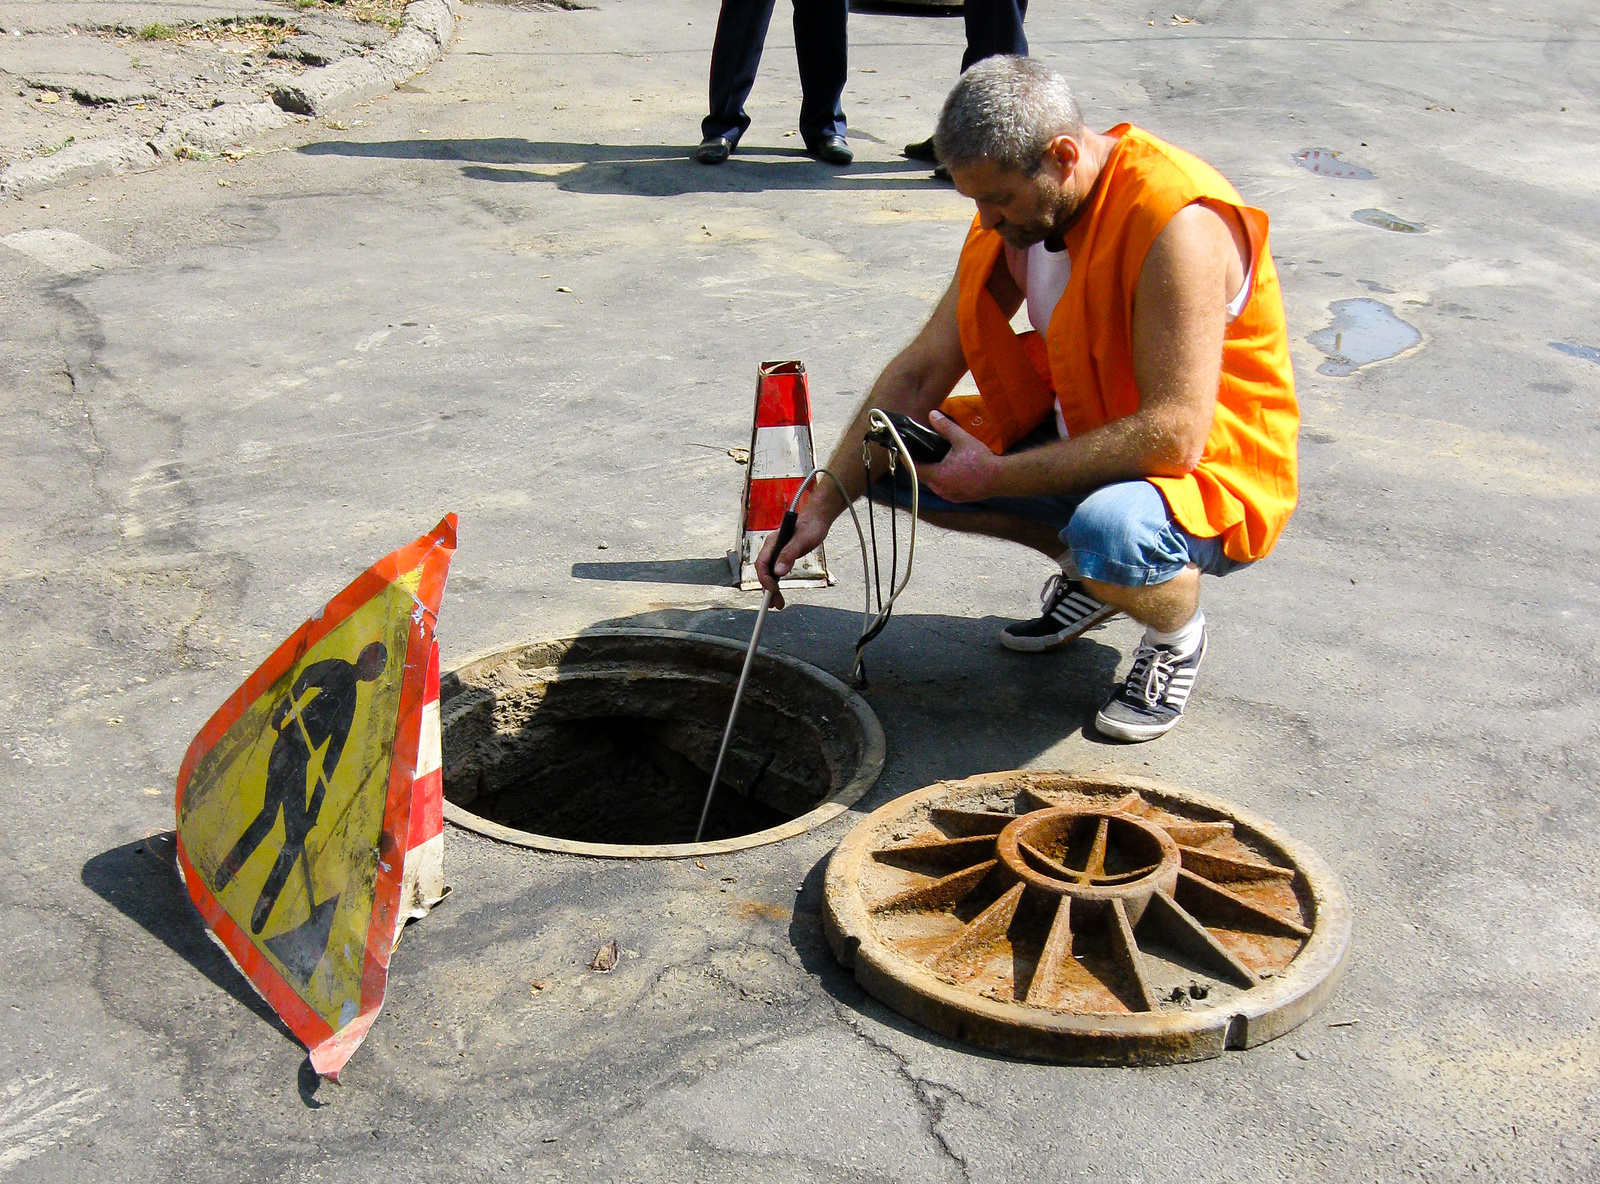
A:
x: 603, y: 744
x: 1106, y: 920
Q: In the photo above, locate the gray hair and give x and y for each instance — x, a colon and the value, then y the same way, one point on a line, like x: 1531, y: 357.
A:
x: 1006, y: 110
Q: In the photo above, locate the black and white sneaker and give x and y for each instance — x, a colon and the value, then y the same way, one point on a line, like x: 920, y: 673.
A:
x: 1069, y: 611
x: 1150, y: 700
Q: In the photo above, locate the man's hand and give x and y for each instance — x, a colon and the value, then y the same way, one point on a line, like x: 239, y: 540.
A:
x: 969, y: 472
x: 810, y: 529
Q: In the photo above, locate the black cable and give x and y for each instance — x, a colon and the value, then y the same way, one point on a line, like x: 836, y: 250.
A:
x: 878, y: 626
x: 894, y: 539
x: 872, y: 526
x: 879, y: 422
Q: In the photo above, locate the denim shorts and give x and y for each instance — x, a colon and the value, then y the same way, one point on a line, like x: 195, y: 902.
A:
x: 1118, y: 534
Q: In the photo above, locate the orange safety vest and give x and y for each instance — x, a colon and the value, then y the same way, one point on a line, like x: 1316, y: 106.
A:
x: 1245, y: 486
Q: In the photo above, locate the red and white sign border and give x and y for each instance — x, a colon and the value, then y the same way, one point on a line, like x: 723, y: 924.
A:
x: 331, y: 1048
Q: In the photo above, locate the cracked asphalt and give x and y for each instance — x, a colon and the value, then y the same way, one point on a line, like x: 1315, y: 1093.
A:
x: 504, y: 290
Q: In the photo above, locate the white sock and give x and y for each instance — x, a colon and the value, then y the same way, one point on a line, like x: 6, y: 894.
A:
x: 1069, y: 569
x: 1184, y: 640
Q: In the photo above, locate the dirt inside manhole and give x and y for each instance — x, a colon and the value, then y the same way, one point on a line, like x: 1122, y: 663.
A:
x: 603, y: 745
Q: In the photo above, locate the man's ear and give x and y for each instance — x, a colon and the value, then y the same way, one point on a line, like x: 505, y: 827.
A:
x: 1066, y: 152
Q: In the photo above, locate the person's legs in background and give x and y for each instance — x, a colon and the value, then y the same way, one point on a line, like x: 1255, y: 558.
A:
x: 735, y: 57
x: 821, y: 45
x: 993, y: 27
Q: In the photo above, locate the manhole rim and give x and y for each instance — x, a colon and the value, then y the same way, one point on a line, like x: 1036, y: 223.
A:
x: 1175, y: 1037
x: 873, y: 757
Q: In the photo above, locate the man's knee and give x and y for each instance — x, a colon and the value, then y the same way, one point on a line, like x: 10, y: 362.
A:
x: 1121, y: 534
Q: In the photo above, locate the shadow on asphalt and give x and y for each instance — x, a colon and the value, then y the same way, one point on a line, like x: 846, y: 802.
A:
x: 952, y: 701
x: 704, y: 573
x: 141, y: 882
x: 638, y: 170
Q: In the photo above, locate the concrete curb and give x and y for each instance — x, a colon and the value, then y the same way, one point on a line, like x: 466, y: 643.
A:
x: 76, y: 162
x: 216, y: 129
x: 426, y: 28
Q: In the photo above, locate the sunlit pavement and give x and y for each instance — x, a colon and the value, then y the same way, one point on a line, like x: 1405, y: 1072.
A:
x: 506, y: 291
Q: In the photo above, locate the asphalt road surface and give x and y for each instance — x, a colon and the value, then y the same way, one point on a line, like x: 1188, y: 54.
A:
x: 505, y: 290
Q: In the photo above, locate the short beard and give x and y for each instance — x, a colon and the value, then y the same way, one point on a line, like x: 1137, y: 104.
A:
x: 1062, y: 212
x: 1020, y: 238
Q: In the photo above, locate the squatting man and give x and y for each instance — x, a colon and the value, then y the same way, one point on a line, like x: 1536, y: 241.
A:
x: 1147, y: 424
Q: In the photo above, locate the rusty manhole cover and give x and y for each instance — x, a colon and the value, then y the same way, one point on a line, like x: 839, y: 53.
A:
x: 1105, y: 920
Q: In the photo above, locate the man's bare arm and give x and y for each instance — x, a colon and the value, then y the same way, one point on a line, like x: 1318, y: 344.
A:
x: 919, y: 378
x: 1179, y: 319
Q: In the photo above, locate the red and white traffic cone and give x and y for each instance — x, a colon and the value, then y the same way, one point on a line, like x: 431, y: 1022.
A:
x: 422, y: 880
x: 781, y: 457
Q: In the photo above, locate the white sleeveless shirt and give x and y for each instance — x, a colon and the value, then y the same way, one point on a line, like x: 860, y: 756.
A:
x: 1042, y: 274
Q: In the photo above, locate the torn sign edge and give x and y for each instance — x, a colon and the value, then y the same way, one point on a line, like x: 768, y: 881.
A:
x: 422, y: 880
x: 331, y: 1048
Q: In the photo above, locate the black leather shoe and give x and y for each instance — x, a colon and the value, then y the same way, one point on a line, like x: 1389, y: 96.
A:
x: 714, y: 150
x: 832, y: 150
x: 922, y: 150
x: 940, y: 173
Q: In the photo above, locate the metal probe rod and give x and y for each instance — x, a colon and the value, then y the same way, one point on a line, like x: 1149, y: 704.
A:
x: 738, y: 695
x: 785, y: 533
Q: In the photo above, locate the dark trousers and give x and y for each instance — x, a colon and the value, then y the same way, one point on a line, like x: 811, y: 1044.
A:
x: 993, y: 27
x: 819, y: 44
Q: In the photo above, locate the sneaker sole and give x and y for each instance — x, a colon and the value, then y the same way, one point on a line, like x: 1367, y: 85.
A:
x: 1132, y: 733
x: 1038, y: 645
x: 1138, y: 733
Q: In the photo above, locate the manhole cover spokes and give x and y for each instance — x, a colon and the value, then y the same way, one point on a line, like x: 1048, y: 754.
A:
x: 1077, y: 904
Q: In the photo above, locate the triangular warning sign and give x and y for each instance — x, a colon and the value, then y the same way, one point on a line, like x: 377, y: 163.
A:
x: 300, y: 801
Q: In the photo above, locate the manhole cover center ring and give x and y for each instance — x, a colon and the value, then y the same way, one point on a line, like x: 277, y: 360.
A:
x: 1094, y: 856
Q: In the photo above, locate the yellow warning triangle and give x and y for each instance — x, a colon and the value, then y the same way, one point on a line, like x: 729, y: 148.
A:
x: 294, y: 801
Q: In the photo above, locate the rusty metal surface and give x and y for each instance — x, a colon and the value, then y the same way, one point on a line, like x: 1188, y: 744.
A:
x: 1097, y: 920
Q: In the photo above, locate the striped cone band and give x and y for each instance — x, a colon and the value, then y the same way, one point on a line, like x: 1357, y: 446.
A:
x: 783, y: 397
x: 781, y: 455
